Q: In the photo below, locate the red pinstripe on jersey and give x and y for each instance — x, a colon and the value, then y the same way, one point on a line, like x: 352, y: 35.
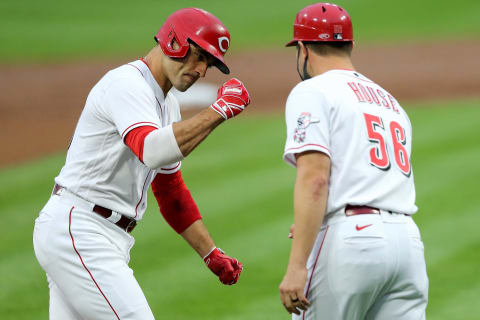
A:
x: 141, y: 59
x: 314, y: 266
x: 137, y: 69
x: 137, y: 123
x: 309, y: 144
x: 143, y: 191
x: 83, y: 263
x: 170, y: 169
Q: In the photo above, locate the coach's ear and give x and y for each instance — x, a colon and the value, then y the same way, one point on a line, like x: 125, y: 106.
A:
x: 302, y: 48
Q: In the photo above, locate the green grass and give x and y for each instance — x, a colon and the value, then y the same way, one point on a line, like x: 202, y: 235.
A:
x: 52, y: 30
x: 244, y: 191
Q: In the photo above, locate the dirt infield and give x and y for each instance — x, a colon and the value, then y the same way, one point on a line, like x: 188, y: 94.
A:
x: 40, y: 104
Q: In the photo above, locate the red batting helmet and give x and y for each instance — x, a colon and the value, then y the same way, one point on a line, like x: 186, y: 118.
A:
x: 322, y: 22
x: 196, y: 25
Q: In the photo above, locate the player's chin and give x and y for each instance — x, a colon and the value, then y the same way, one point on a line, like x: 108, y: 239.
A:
x: 182, y: 87
x: 185, y: 83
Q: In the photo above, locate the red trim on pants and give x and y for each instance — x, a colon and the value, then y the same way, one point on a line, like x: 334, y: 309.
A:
x: 81, y: 260
x: 314, y: 266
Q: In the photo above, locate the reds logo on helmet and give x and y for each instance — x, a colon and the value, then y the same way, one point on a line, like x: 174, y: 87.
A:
x: 223, y: 44
x: 198, y: 26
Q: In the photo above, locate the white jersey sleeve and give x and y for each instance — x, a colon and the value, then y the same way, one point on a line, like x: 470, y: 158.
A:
x: 307, y: 118
x: 130, y: 105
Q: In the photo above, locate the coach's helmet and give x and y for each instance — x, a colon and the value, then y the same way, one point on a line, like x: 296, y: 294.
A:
x: 198, y: 26
x: 322, y: 22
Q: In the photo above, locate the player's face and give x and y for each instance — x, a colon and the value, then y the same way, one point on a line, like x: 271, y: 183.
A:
x: 186, y: 71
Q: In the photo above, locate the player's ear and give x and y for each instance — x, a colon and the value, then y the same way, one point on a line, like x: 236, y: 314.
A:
x: 302, y: 48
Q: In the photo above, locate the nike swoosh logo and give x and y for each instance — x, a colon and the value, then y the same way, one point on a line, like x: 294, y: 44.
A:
x: 362, y: 227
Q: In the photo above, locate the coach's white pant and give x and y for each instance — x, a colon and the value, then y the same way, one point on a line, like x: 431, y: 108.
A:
x: 86, y: 259
x: 368, y: 266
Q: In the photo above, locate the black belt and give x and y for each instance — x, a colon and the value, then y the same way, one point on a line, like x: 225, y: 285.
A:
x: 125, y: 223
x: 355, y: 210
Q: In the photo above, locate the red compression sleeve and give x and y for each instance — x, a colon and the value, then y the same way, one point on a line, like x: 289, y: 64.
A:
x: 175, y: 201
x: 135, y: 139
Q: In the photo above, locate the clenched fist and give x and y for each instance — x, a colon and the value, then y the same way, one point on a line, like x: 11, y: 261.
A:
x: 226, y: 268
x: 232, y: 98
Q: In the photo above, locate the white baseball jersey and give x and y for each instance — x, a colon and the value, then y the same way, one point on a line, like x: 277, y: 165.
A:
x: 99, y: 167
x: 363, y: 130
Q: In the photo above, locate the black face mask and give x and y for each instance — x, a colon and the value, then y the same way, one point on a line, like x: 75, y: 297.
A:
x: 305, y: 75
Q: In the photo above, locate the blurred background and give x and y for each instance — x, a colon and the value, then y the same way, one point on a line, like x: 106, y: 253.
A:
x: 424, y: 52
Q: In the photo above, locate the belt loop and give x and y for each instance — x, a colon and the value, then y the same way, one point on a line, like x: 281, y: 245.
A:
x: 57, y: 190
x: 115, y: 217
x: 130, y: 226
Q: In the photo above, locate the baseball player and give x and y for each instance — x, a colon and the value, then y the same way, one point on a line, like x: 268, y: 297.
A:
x: 129, y: 136
x: 356, y: 252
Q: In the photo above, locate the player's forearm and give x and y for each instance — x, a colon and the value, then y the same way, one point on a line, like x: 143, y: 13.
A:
x: 310, y: 198
x: 198, y: 238
x: 189, y: 133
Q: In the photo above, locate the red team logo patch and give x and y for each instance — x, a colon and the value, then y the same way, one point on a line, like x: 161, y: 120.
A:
x: 303, y: 121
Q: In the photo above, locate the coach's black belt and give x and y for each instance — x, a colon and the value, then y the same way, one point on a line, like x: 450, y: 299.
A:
x: 354, y: 210
x: 125, y: 223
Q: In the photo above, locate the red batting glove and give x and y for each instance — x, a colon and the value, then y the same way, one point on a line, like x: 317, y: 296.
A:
x: 226, y: 268
x: 232, y: 98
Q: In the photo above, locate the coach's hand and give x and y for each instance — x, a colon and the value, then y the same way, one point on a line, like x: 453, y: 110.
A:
x: 292, y: 231
x: 292, y: 290
x: 232, y: 98
x: 226, y: 268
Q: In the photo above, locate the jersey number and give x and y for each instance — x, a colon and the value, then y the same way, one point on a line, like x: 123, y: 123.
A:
x: 378, y: 154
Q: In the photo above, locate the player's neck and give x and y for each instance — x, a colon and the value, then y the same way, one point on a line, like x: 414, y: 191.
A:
x: 155, y: 66
x: 322, y: 64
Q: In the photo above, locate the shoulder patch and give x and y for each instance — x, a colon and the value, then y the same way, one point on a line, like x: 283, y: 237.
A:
x: 303, y: 121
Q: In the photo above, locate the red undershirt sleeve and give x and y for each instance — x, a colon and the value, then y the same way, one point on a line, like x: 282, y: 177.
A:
x: 175, y: 201
x: 135, y: 139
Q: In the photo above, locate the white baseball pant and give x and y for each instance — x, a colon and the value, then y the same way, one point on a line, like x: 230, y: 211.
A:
x: 368, y: 266
x: 86, y: 260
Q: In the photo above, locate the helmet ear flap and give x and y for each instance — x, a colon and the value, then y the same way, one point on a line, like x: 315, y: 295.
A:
x: 172, y: 40
x: 174, y: 44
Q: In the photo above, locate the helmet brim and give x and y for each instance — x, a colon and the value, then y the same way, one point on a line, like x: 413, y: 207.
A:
x: 222, y: 67
x: 291, y: 43
x: 219, y: 62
